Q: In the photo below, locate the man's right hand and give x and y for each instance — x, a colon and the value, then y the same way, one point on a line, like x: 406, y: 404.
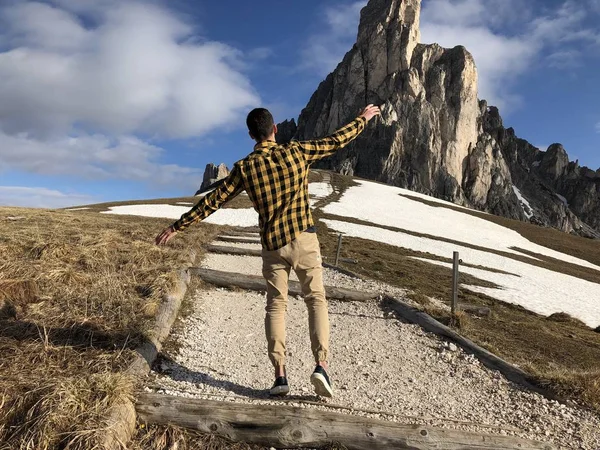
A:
x: 370, y: 111
x: 165, y: 236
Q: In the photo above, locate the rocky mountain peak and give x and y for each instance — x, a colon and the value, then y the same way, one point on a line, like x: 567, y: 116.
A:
x: 393, y: 26
x: 434, y: 135
x: 555, y: 161
x: 286, y: 130
x: 212, y: 174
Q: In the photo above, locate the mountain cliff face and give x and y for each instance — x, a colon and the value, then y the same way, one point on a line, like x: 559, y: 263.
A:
x: 434, y: 136
x: 212, y: 174
x: 561, y: 193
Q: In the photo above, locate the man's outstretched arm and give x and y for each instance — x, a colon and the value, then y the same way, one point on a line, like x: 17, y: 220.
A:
x: 321, y: 148
x: 210, y: 203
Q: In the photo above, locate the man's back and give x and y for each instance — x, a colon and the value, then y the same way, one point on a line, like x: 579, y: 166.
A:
x: 276, y: 179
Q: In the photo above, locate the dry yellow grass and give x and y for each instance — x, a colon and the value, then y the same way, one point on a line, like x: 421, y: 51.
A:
x: 77, y: 294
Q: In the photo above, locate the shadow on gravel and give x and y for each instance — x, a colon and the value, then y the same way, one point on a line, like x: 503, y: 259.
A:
x: 166, y: 366
x: 364, y: 316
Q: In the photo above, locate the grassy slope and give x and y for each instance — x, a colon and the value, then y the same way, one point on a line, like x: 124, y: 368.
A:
x: 560, y: 352
x: 241, y: 201
x: 77, y: 293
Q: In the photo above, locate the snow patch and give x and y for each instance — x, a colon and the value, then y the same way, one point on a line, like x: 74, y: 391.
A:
x: 246, y: 217
x: 380, y: 204
x: 527, y: 209
x: 320, y: 190
x: 540, y: 290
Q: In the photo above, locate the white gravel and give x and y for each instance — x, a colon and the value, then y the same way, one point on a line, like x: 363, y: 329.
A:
x: 393, y: 369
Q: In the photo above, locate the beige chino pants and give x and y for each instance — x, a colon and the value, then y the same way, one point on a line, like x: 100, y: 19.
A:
x: 304, y: 256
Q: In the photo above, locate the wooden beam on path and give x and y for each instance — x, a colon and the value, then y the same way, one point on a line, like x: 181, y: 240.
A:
x: 287, y: 426
x: 243, y: 230
x: 428, y: 323
x: 249, y: 234
x: 240, y: 239
x: 225, y: 250
x: 257, y: 283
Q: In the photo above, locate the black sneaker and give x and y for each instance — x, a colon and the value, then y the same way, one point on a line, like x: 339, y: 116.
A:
x: 280, y: 388
x: 321, y: 382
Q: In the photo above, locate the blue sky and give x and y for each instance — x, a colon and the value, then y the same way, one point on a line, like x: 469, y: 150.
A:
x: 126, y: 99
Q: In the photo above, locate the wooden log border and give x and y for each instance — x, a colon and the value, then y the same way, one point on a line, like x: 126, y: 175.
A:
x: 239, y: 239
x: 488, y: 359
x: 121, y: 418
x: 288, y: 426
x: 257, y: 283
x: 225, y: 250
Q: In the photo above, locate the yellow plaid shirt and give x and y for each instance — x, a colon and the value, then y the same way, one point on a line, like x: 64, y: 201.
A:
x: 276, y: 180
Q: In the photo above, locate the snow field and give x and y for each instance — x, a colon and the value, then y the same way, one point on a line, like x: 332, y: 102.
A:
x: 246, y: 217
x: 319, y: 190
x: 387, y: 206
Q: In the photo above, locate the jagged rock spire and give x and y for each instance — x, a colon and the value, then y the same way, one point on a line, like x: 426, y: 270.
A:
x: 434, y: 136
x: 392, y: 26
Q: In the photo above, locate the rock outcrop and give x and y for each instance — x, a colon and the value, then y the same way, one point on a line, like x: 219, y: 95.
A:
x: 286, y: 130
x: 434, y: 136
x: 212, y: 174
x: 561, y: 193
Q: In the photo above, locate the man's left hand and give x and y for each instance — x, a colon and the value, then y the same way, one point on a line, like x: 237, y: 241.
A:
x: 165, y: 236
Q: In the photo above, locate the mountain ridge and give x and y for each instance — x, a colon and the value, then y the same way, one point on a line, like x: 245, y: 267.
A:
x: 435, y: 136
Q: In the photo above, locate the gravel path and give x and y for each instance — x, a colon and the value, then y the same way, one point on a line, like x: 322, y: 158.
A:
x: 379, y: 364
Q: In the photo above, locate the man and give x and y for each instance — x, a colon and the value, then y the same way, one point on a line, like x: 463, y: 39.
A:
x: 276, y: 180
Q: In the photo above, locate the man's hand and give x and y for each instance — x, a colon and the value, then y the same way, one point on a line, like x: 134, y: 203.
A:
x: 165, y: 236
x: 370, y: 111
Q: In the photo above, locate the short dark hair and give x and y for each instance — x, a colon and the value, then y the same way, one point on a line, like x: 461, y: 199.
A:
x: 260, y: 123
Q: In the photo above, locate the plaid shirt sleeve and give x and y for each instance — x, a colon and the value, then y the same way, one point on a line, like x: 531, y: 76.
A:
x: 327, y: 146
x: 212, y: 201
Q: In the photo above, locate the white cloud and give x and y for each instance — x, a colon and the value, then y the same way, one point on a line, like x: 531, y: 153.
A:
x: 93, y: 157
x: 32, y: 197
x: 507, y: 39
x: 325, y: 49
x: 86, y: 86
x: 139, y: 69
x: 597, y: 127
